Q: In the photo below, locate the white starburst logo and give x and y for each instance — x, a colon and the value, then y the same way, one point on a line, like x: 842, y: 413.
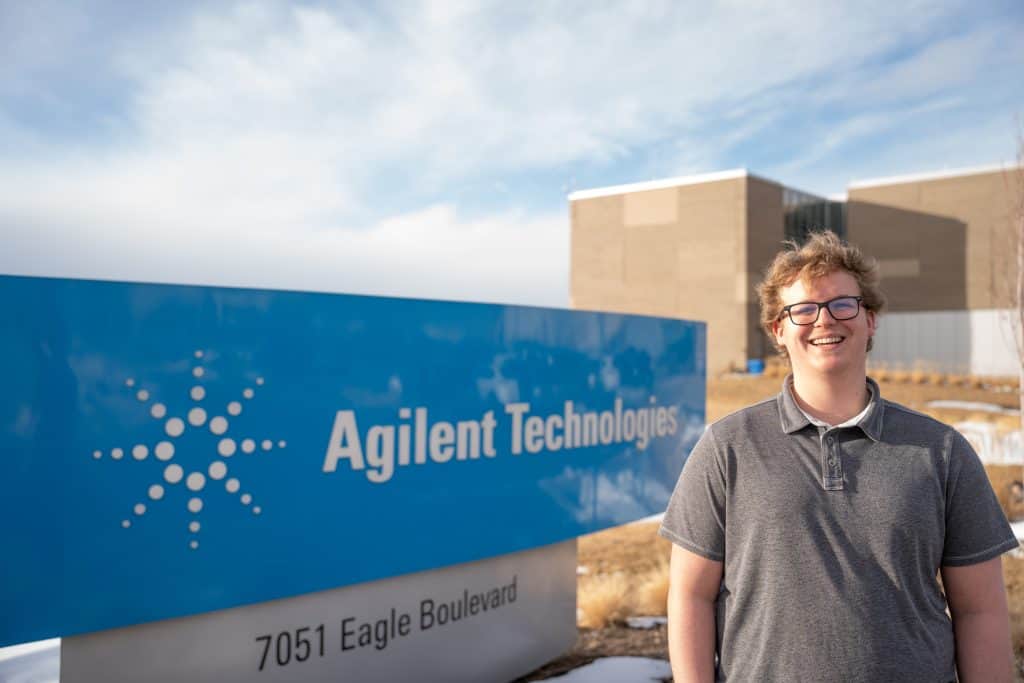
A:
x: 197, y: 482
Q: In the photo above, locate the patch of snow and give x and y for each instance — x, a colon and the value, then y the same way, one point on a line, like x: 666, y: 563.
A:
x: 1018, y: 529
x: 619, y: 670
x: 581, y: 570
x: 986, y: 427
x: 977, y: 406
x: 645, y: 622
x: 653, y: 518
x: 28, y: 648
x: 991, y: 446
x: 37, y: 662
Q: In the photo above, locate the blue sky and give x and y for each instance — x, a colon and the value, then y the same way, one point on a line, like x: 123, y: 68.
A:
x: 426, y: 149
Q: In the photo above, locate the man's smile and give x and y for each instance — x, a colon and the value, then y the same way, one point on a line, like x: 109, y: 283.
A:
x: 830, y: 340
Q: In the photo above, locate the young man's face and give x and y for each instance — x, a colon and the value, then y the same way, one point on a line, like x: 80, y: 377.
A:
x: 828, y: 346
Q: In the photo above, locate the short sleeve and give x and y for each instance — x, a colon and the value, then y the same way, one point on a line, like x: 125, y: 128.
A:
x: 976, y: 528
x: 695, y: 518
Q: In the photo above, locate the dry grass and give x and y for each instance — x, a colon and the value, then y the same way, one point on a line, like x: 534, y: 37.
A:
x: 1013, y: 576
x: 627, y: 574
x: 900, y: 376
x: 776, y: 367
x: 1002, y: 478
x: 606, y: 599
x: 651, y: 598
x: 919, y: 376
x: 925, y: 374
x: 603, y: 599
x: 633, y: 549
x: 881, y: 373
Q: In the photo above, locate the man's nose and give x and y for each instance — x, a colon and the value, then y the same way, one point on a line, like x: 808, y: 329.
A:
x: 821, y: 316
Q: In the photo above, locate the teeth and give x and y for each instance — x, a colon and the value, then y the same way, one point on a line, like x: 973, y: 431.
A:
x: 827, y: 340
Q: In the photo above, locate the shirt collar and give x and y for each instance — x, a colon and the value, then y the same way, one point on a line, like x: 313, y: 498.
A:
x: 794, y: 419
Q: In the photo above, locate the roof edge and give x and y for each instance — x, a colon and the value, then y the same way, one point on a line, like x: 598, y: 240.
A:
x: 660, y: 184
x: 932, y: 175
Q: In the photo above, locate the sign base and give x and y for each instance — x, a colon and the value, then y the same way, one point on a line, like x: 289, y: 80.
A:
x: 490, y: 620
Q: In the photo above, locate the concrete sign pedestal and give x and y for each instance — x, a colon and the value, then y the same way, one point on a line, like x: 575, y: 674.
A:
x: 491, y: 620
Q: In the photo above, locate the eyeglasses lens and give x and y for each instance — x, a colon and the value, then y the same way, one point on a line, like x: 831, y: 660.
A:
x: 843, y: 308
x: 804, y: 314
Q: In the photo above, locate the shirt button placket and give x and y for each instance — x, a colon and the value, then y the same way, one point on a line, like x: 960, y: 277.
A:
x: 833, y: 465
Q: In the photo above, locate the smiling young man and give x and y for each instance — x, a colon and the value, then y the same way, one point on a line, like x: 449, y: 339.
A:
x: 808, y: 530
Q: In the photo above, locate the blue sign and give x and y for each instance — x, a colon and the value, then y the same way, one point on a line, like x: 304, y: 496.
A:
x: 171, y: 450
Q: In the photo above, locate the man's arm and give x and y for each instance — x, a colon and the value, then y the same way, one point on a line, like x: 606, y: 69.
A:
x: 981, y: 621
x: 693, y: 587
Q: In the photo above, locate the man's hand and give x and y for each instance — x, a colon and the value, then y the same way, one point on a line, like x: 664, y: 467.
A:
x: 981, y: 621
x: 694, y: 583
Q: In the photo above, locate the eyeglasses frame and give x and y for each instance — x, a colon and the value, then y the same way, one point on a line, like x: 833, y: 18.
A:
x: 821, y: 304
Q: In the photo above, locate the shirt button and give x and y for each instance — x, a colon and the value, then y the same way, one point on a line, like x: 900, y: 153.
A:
x: 829, y: 440
x: 831, y: 461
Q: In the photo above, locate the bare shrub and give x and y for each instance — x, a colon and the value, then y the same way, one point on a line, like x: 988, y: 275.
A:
x: 956, y: 380
x: 1013, y: 575
x: 776, y: 367
x: 1006, y: 482
x: 651, y: 598
x: 901, y: 376
x: 602, y: 599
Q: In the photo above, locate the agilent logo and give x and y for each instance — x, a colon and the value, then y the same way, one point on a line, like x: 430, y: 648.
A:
x: 199, y: 416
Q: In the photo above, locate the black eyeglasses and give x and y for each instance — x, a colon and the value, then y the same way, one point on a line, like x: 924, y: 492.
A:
x: 807, y: 312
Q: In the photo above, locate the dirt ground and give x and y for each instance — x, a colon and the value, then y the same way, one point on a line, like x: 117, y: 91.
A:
x: 634, y: 550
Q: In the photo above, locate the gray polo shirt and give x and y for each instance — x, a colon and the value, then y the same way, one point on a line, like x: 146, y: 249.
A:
x: 831, y: 540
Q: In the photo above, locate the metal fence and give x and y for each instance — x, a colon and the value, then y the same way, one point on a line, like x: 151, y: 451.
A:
x: 977, y: 342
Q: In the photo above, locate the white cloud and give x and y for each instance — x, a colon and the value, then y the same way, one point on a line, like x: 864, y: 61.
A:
x: 861, y: 126
x: 458, y: 89
x: 431, y: 253
x: 322, y: 147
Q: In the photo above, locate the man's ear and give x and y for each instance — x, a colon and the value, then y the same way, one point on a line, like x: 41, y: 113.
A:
x: 872, y: 323
x: 777, y: 332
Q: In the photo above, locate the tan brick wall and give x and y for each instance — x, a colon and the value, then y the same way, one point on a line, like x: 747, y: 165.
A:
x: 675, y: 252
x: 921, y: 255
x: 696, y: 251
x: 765, y: 235
x: 957, y: 228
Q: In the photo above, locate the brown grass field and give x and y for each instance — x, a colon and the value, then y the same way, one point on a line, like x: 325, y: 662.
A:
x: 626, y: 568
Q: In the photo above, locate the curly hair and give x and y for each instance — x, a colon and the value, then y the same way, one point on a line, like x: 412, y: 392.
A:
x: 822, y: 254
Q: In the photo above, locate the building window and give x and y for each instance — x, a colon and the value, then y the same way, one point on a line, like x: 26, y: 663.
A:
x: 806, y: 213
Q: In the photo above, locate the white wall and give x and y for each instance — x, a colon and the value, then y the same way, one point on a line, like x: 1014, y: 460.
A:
x: 979, y: 342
